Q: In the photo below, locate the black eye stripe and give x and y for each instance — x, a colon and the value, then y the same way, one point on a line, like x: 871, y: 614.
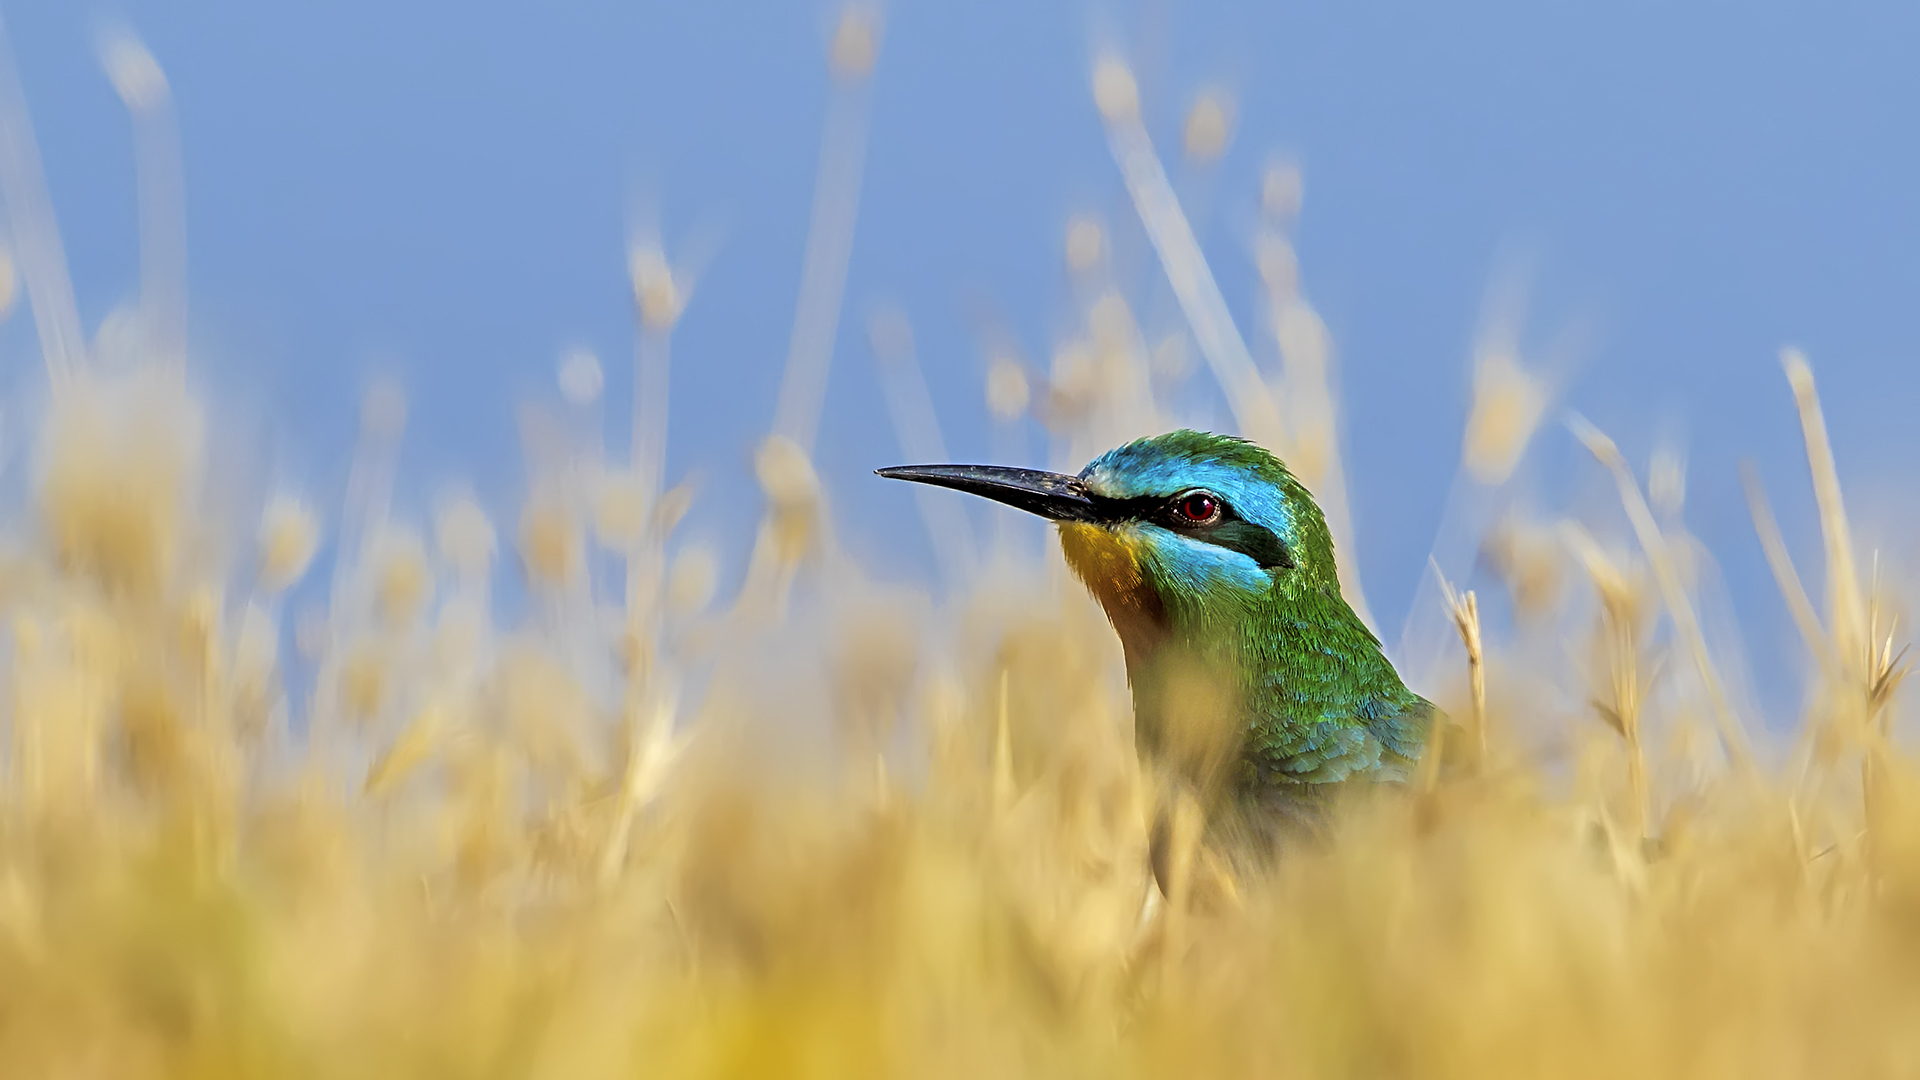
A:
x: 1256, y: 542
x: 1229, y: 530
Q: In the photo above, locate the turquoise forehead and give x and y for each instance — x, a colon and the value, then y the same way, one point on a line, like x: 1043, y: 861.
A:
x: 1250, y: 479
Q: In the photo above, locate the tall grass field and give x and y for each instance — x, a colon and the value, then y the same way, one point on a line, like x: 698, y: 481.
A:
x: 683, y: 819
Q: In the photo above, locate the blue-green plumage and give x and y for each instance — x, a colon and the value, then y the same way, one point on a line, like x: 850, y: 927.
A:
x: 1250, y: 672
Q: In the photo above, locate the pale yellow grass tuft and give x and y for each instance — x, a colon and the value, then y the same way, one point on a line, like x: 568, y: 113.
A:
x: 1507, y: 406
x: 499, y: 865
x: 1209, y: 126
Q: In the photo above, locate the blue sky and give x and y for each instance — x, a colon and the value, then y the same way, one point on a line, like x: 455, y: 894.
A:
x: 442, y: 192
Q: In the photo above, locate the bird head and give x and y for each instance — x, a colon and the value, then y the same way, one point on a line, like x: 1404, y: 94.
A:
x: 1181, y: 531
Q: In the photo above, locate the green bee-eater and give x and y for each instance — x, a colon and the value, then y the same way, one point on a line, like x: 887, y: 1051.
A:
x: 1252, y: 678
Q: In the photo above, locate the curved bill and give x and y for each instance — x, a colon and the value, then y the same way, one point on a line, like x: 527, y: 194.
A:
x: 1054, y: 496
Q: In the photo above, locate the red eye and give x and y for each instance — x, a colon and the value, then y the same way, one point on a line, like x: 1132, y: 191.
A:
x: 1199, y: 508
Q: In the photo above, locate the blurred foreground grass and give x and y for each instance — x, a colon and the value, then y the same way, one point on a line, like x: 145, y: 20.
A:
x: 593, y: 844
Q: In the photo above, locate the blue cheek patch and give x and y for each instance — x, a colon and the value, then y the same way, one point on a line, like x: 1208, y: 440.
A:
x: 1189, y: 567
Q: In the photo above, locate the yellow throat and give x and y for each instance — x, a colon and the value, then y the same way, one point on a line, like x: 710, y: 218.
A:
x: 1107, y: 562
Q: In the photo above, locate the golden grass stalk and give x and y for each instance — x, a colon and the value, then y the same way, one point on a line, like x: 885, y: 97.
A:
x: 1508, y: 402
x: 1854, y: 654
x: 37, y: 249
x: 1846, y: 607
x: 650, y: 758
x: 836, y: 202
x: 1186, y: 268
x: 783, y: 461
x: 1733, y: 737
x: 1781, y: 563
x: 143, y: 88
x: 659, y: 299
x: 1465, y: 608
x: 1624, y: 615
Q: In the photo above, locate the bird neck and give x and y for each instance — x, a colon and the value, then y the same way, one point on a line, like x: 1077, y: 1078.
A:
x: 1309, y: 657
x: 1212, y: 664
x: 1215, y: 671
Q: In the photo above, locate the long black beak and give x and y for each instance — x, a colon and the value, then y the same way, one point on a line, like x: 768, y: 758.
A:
x: 1054, y: 496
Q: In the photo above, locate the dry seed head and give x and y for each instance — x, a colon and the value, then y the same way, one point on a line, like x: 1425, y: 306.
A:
x: 153, y: 741
x: 1279, y: 265
x: 1209, y: 125
x: 1507, y: 405
x: 403, y: 580
x: 120, y: 344
x: 785, y: 474
x: 550, y: 542
x: 691, y: 580
x: 1110, y: 322
x: 1621, y: 584
x: 1303, y: 340
x: 581, y: 379
x: 1799, y: 373
x: 1085, y: 240
x: 1172, y: 359
x: 671, y: 509
x: 413, y: 747
x: 256, y: 652
x: 1310, y: 450
x: 1073, y: 368
x: 123, y: 461
x: 1527, y: 559
x: 1667, y: 481
x: 136, y: 76
x: 1599, y: 444
x: 1619, y: 594
x: 289, y: 536
x: 544, y: 708
x: 654, y: 290
x: 1007, y: 390
x: 1885, y: 670
x: 363, y: 683
x: 619, y: 511
x: 854, y: 44
x: 1114, y: 90
x: 465, y: 537
x: 791, y: 532
x: 1075, y: 379
x: 1281, y: 191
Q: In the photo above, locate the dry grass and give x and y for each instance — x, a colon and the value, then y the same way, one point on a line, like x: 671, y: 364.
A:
x: 887, y: 836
